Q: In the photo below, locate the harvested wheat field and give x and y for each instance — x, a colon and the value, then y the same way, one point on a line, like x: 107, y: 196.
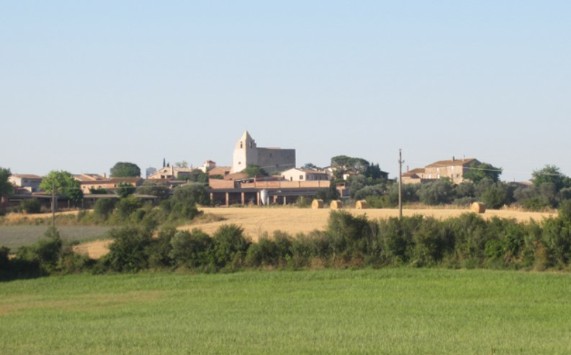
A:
x: 94, y: 250
x: 256, y: 221
x: 259, y: 220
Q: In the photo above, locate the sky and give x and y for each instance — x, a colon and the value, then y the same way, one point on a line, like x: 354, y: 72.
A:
x: 86, y: 84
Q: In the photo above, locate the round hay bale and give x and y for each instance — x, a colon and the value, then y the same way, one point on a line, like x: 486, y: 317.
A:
x: 316, y: 204
x: 478, y: 207
x: 336, y: 204
x: 361, y: 205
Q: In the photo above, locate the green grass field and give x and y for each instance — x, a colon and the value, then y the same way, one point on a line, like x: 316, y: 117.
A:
x: 16, y: 236
x: 392, y: 311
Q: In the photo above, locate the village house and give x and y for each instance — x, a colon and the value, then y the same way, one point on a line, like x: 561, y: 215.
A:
x: 297, y: 174
x: 111, y: 184
x: 453, y: 169
x: 171, y: 173
x: 26, y: 182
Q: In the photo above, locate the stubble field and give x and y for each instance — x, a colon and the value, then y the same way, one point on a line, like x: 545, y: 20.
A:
x: 258, y: 220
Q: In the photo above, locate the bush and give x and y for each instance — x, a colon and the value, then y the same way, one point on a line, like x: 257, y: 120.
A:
x: 129, y: 250
x: 191, y: 249
x: 30, y: 206
x: 432, y: 241
x: 275, y: 251
x: 352, y: 238
x: 229, y: 247
x: 104, y: 207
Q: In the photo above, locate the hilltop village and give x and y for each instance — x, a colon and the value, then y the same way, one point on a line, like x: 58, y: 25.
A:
x: 265, y: 176
x: 254, y: 169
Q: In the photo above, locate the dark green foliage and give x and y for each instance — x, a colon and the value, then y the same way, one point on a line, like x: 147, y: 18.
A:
x: 198, y: 176
x: 124, y: 189
x: 557, y: 241
x: 254, y: 171
x: 352, y: 238
x: 478, y: 171
x: 229, y: 247
x: 129, y: 251
x: 191, y: 249
x: 493, y: 194
x: 550, y: 174
x: 437, y: 192
x: 30, y: 206
x: 125, y: 169
x: 397, y: 236
x: 104, y: 207
x: 343, y: 164
x: 154, y: 189
x: 328, y: 195
x: 182, y: 204
x: 274, y: 252
x: 127, y: 206
x: 432, y: 242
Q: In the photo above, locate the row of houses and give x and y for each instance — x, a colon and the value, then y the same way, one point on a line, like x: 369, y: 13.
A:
x: 454, y: 170
x: 230, y: 184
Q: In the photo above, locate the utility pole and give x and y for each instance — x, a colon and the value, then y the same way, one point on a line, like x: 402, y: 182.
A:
x: 54, y: 201
x: 400, y: 183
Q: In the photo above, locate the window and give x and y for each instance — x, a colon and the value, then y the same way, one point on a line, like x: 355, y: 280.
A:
x: 241, y: 145
x: 301, y: 177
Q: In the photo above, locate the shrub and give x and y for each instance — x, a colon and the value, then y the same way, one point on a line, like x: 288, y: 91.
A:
x: 191, y: 249
x: 469, y: 231
x: 432, y: 241
x: 126, y: 206
x: 275, y: 251
x: 31, y: 206
x: 104, y: 207
x: 129, y: 250
x: 229, y: 247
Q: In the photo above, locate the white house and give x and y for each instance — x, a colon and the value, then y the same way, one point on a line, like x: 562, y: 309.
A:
x: 296, y: 174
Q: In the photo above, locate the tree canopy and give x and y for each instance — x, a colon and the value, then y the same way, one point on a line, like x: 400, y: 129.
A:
x: 254, y: 170
x: 64, y: 185
x: 550, y: 174
x: 479, y: 171
x: 125, y: 169
x: 6, y: 187
x: 342, y: 164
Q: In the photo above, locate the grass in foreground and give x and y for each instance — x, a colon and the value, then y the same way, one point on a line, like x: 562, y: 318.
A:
x: 367, y: 311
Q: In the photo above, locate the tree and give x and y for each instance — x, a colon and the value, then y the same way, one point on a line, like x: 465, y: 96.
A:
x: 198, y: 176
x: 478, y: 171
x: 342, y: 164
x: 550, y: 174
x: 63, y: 184
x: 310, y: 166
x: 181, y: 164
x: 158, y: 189
x: 6, y: 187
x: 124, y: 189
x: 436, y: 192
x: 125, y: 169
x: 254, y: 171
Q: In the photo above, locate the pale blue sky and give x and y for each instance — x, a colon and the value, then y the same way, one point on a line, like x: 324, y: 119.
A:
x: 84, y: 84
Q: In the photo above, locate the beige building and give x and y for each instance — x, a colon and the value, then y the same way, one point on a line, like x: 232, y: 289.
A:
x: 27, y: 182
x: 171, y: 173
x: 296, y: 174
x: 246, y: 152
x: 453, y: 169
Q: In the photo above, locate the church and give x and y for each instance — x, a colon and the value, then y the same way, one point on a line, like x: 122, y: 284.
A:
x: 272, y: 160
